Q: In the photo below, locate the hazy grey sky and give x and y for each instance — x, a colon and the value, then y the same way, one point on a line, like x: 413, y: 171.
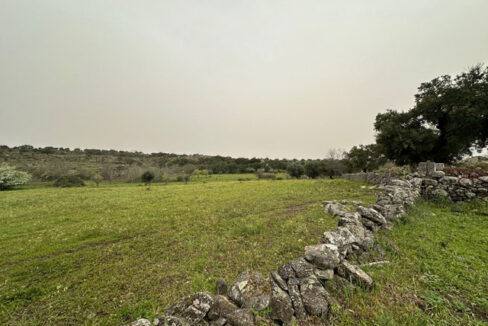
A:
x: 241, y: 78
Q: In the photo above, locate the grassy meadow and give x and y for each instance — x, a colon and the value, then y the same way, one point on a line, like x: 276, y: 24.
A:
x: 111, y: 254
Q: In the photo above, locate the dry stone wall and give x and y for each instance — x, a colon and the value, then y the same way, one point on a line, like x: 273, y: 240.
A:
x: 296, y: 291
x: 371, y: 177
x: 440, y: 186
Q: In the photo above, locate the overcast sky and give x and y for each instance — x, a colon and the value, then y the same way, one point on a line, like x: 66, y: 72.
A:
x: 242, y: 78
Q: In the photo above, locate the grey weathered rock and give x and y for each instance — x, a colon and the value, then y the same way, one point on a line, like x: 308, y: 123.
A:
x: 140, y: 322
x: 301, y: 267
x: 429, y: 182
x: 372, y: 215
x: 241, y: 317
x: 335, y: 209
x: 370, y: 225
x: 437, y: 174
x: 315, y: 298
x: 222, y: 307
x: 354, y: 274
x: 324, y: 274
x: 440, y: 194
x: 170, y: 321
x: 279, y: 280
x: 465, y: 182
x: 218, y: 322
x: 281, y: 305
x: 296, y: 298
x: 349, y: 218
x: 221, y: 285
x: 448, y: 180
x: 249, y: 291
x: 484, y: 179
x: 286, y: 271
x: 322, y: 256
x: 191, y: 308
x: 339, y: 237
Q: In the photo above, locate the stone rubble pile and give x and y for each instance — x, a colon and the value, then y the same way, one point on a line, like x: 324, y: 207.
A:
x: 296, y: 291
x: 440, y: 186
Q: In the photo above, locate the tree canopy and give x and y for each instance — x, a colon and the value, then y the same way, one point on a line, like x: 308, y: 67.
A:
x: 364, y: 158
x: 448, y: 120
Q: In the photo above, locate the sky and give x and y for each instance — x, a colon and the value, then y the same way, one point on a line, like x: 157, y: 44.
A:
x: 278, y: 79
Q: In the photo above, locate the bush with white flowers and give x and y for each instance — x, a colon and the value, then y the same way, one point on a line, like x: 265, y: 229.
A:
x: 10, y: 177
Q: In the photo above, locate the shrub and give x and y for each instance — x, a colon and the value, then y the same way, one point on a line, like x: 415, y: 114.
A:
x: 147, y: 177
x: 68, y: 181
x: 186, y: 177
x: 313, y: 169
x: 10, y: 177
x: 97, y: 178
x: 295, y: 170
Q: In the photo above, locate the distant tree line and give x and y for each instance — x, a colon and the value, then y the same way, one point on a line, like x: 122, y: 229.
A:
x: 51, y: 163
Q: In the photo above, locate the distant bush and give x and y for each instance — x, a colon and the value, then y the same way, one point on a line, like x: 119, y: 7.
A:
x: 180, y: 178
x: 68, y: 181
x: 97, y: 178
x: 147, y: 177
x: 295, y: 170
x: 313, y: 169
x: 10, y: 177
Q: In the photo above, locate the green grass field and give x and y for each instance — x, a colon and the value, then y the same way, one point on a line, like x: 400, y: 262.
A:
x: 111, y: 254
x: 438, y: 273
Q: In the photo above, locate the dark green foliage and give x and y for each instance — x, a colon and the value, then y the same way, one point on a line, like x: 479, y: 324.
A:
x: 450, y: 117
x: 313, y: 169
x: 68, y: 181
x: 295, y: 170
x: 147, y: 177
x: 364, y: 158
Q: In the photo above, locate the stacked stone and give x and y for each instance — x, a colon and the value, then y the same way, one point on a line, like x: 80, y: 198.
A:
x: 371, y: 177
x: 440, y: 186
x: 297, y: 290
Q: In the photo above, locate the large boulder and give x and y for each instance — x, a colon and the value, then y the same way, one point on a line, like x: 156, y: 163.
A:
x: 250, y: 290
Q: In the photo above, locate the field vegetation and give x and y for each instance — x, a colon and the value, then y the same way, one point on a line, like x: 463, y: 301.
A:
x: 110, y: 254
